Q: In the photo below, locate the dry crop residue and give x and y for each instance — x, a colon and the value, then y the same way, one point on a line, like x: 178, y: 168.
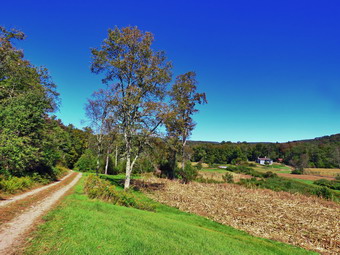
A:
x: 308, y: 222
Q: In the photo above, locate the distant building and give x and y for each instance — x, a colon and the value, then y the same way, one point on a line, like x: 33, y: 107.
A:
x: 222, y: 167
x: 280, y: 160
x: 264, y: 161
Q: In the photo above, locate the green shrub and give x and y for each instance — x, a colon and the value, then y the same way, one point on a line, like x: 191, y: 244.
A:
x: 228, y: 177
x: 329, y: 184
x: 269, y: 174
x: 239, y: 161
x: 249, y: 183
x: 143, y: 165
x: 324, y: 192
x: 297, y: 171
x: 244, y: 170
x: 292, y: 186
x: 95, y: 187
x: 199, y: 166
x: 337, y: 177
x: 120, y: 168
x: 87, y: 162
x: 14, y: 184
x: 188, y: 174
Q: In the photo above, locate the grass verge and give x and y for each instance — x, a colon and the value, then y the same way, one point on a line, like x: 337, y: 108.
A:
x: 84, y: 226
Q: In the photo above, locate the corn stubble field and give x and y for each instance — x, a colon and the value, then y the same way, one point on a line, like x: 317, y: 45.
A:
x: 308, y: 222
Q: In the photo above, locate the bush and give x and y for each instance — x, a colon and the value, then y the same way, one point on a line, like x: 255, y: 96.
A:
x: 199, y: 166
x: 337, y: 177
x: 228, y: 177
x: 87, y: 162
x: 143, y: 165
x: 269, y: 174
x: 189, y: 173
x: 244, y: 170
x: 297, y: 171
x: 12, y: 185
x: 324, y: 192
x: 239, y: 161
x: 292, y: 186
x: 120, y: 168
x: 95, y: 187
x: 329, y: 184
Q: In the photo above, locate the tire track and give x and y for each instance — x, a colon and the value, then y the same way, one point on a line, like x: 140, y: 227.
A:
x: 11, y: 233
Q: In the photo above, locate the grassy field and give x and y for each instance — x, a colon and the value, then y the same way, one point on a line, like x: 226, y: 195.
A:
x: 83, y: 226
x: 323, y: 171
x: 275, y: 168
x: 304, y: 181
x: 307, y: 221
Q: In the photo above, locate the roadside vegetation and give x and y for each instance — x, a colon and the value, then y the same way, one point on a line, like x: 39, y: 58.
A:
x: 81, y: 225
x: 95, y: 187
x: 32, y: 141
x: 10, y: 185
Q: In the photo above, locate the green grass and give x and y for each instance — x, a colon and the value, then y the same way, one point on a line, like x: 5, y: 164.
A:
x: 278, y: 166
x: 304, y: 181
x: 284, y: 171
x: 83, y: 226
x: 213, y: 170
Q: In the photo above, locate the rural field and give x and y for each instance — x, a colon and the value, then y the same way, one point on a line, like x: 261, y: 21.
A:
x: 310, y: 174
x: 308, y: 222
x: 169, y: 128
x: 88, y: 226
x: 324, y: 172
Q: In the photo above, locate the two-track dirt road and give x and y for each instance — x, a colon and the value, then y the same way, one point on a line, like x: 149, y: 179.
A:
x: 27, y: 208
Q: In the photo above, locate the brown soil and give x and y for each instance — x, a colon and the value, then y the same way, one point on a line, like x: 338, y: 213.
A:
x: 308, y: 222
x: 305, y: 177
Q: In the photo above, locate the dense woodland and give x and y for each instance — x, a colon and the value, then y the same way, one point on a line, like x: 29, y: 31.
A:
x: 125, y: 116
x: 32, y: 140
x: 323, y: 152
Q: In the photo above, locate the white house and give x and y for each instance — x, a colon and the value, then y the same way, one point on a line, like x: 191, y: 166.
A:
x: 264, y: 161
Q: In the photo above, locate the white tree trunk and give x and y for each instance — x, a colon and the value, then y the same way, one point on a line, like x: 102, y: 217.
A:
x: 128, y: 170
x: 129, y: 167
x: 116, y: 158
x: 98, y: 164
x: 107, y: 161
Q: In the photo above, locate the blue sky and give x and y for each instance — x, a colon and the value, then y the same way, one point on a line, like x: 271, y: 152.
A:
x: 270, y: 69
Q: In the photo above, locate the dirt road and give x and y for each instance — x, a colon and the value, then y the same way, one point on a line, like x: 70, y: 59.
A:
x: 30, y: 193
x: 12, y: 232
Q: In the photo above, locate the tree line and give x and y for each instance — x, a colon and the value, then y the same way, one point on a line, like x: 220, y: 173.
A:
x: 321, y: 152
x: 140, y: 120
x: 32, y: 140
x: 141, y: 117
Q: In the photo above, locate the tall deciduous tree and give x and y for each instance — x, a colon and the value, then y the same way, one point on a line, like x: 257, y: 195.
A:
x: 183, y: 100
x: 97, y: 110
x: 137, y: 76
x: 27, y: 95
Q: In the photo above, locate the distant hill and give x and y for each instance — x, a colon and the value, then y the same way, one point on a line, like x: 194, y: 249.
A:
x: 320, y: 152
x: 324, y: 139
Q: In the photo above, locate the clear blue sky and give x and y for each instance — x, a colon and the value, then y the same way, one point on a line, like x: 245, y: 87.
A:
x: 270, y: 69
